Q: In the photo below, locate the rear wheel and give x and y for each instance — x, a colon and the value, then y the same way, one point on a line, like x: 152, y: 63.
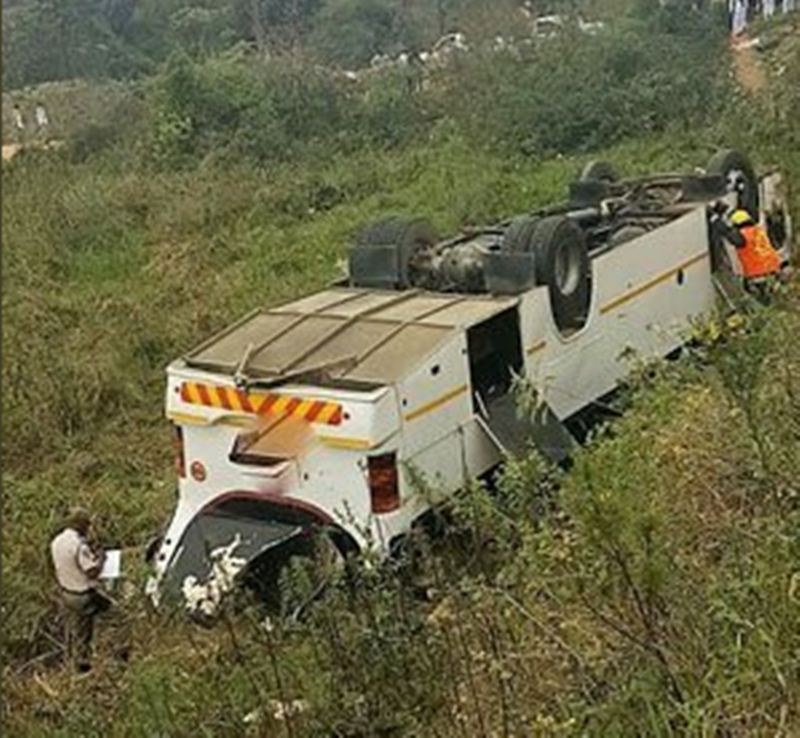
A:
x: 385, y: 251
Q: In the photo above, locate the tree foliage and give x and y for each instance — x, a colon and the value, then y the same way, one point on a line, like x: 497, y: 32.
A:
x: 577, y: 93
x: 60, y: 39
x: 64, y: 39
x: 350, y: 32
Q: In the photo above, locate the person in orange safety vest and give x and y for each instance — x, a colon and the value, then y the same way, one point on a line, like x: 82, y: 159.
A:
x: 761, y: 264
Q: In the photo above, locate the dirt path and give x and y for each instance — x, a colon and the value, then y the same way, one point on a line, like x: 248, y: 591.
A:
x: 9, y: 150
x: 748, y: 67
x: 12, y: 149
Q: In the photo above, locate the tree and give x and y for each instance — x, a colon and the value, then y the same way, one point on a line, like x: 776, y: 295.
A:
x: 119, y: 15
x: 350, y: 32
x: 202, y: 28
x: 62, y: 39
x: 280, y: 24
x: 44, y: 40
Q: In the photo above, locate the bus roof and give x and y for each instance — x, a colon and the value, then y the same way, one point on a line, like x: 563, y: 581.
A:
x: 362, y: 335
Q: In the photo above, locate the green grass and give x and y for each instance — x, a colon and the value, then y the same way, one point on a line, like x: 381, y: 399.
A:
x: 689, y: 505
x: 110, y: 274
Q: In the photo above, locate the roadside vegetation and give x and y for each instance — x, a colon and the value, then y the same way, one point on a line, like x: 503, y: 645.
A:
x: 652, y: 589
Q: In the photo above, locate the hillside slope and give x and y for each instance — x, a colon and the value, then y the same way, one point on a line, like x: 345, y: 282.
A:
x: 651, y: 590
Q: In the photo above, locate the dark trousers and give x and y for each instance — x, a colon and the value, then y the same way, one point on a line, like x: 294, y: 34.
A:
x: 83, y: 608
x: 762, y: 288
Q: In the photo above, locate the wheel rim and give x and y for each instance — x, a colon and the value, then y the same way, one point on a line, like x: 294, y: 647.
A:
x: 734, y: 178
x: 737, y: 180
x: 567, y: 269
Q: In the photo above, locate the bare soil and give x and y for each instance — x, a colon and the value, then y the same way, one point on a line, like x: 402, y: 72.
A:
x: 12, y: 149
x: 9, y: 150
x: 748, y: 67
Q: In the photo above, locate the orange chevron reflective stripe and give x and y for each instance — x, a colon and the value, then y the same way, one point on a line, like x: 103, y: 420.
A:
x: 261, y: 403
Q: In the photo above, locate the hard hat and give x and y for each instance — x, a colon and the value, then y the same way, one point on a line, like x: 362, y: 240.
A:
x: 741, y: 217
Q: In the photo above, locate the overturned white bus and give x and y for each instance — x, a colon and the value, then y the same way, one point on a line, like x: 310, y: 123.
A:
x: 314, y: 414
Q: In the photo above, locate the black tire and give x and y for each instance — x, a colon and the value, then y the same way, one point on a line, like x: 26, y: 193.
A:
x: 406, y: 237
x: 518, y: 235
x: 737, y: 171
x: 561, y: 261
x: 152, y: 547
x: 598, y: 171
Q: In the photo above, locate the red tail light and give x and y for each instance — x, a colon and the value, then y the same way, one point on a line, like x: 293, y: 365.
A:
x: 177, y: 448
x: 384, y: 488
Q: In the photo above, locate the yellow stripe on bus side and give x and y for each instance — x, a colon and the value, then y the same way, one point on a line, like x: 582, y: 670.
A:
x: 235, y: 421
x: 187, y: 419
x: 438, y: 402
x: 641, y: 289
x: 349, y: 443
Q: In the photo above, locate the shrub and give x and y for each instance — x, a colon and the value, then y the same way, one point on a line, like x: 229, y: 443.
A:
x: 259, y: 112
x: 578, y: 93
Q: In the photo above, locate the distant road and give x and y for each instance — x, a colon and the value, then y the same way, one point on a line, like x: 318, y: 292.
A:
x: 9, y: 150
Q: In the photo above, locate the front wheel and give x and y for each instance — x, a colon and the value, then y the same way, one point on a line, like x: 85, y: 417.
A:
x: 385, y: 252
x: 740, y: 177
x: 598, y: 171
x: 561, y: 261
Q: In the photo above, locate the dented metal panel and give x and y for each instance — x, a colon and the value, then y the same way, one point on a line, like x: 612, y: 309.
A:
x: 366, y: 335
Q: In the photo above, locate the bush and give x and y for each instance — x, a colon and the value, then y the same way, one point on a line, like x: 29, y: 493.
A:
x: 262, y: 113
x: 569, y: 94
x: 577, y: 93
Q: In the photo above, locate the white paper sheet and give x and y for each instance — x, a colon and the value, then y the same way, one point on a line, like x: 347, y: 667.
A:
x: 112, y: 566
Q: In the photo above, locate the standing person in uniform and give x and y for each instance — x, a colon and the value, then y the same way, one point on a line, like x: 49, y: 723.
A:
x: 760, y: 263
x: 77, y: 567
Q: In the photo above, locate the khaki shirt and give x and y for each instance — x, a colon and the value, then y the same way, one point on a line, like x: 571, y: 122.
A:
x: 73, y: 559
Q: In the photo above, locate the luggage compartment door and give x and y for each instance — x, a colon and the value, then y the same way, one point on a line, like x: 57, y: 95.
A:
x: 495, y: 358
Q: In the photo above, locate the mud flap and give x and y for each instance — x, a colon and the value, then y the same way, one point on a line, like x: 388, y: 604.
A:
x: 214, y: 552
x: 514, y: 431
